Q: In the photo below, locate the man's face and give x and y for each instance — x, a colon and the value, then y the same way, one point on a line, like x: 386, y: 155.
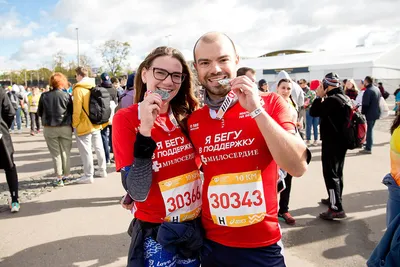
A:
x: 251, y: 75
x: 215, y: 61
x: 78, y: 77
x: 303, y: 84
x: 116, y: 85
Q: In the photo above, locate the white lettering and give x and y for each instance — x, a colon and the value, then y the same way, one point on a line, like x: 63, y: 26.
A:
x: 208, y: 140
x: 159, y: 145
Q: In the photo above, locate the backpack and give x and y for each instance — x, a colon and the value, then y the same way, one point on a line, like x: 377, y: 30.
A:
x: 355, y: 128
x: 99, y: 105
x: 384, y: 108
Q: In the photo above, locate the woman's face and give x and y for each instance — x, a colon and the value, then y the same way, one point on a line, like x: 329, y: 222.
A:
x: 284, y: 89
x: 265, y: 86
x: 165, y: 73
x: 349, y: 85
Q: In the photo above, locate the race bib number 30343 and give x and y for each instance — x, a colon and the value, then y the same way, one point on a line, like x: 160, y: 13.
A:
x: 237, y: 199
x: 182, y: 197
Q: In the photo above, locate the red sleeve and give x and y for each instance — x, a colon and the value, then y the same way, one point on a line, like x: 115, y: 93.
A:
x: 279, y: 110
x: 125, y: 123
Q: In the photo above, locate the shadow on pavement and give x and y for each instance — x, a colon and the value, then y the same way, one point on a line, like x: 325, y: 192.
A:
x: 38, y: 208
x: 91, y: 250
x: 357, y: 231
x: 33, y: 157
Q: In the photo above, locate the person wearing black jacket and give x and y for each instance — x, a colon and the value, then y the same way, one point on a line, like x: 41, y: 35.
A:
x: 55, y: 108
x: 332, y: 112
x: 106, y: 133
x: 7, y: 148
x: 371, y: 110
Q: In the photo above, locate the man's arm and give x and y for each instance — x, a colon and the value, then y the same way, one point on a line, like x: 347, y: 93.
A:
x: 288, y: 150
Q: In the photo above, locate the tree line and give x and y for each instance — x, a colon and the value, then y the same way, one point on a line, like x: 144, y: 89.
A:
x: 113, y: 53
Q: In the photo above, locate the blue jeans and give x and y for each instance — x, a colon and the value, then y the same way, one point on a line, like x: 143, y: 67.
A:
x: 105, y: 136
x: 214, y: 254
x: 311, y: 122
x: 393, y: 203
x: 370, y: 127
x: 17, y: 118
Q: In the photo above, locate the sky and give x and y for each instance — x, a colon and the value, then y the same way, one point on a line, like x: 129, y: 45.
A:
x: 32, y: 31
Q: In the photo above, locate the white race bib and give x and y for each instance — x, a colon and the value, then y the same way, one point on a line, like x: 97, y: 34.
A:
x: 237, y: 199
x: 182, y: 197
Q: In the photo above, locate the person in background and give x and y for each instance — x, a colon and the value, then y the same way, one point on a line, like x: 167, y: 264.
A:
x: 16, y: 100
x: 381, y: 88
x: 249, y: 72
x: 7, y: 114
x: 122, y: 81
x: 127, y: 97
x: 358, y: 101
x: 24, y: 106
x: 344, y: 83
x: 397, y: 100
x: 371, y: 110
x: 311, y: 122
x: 117, y: 86
x: 284, y: 89
x: 263, y: 87
x: 87, y: 134
x: 33, y: 103
x: 55, y: 109
x: 351, y: 89
x: 106, y: 132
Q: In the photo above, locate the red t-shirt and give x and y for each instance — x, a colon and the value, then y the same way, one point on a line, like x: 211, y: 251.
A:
x: 175, y: 194
x: 240, y: 175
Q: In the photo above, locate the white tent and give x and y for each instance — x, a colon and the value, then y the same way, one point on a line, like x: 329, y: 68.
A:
x: 380, y: 62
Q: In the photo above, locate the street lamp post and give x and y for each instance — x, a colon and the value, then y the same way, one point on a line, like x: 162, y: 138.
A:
x: 77, y: 43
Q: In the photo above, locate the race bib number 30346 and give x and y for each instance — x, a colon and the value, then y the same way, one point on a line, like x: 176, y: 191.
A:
x: 182, y: 197
x: 237, y: 199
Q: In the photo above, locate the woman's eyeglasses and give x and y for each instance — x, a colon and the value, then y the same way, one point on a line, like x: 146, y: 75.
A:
x: 162, y: 74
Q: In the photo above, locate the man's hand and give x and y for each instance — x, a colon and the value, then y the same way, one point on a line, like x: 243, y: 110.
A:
x: 247, y: 93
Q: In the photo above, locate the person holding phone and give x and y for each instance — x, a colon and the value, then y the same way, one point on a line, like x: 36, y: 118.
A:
x: 157, y: 163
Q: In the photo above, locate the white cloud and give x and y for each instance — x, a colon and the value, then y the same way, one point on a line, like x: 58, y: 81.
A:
x: 257, y: 26
x: 12, y: 27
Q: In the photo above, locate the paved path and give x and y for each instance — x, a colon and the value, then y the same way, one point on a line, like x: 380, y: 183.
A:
x: 83, y: 225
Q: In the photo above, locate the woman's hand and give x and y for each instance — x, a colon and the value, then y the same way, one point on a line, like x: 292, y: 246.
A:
x: 149, y: 109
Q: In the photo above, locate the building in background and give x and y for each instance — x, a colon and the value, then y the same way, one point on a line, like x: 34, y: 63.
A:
x: 381, y: 62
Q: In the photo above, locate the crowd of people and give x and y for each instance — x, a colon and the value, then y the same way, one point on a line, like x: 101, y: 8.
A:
x: 201, y: 182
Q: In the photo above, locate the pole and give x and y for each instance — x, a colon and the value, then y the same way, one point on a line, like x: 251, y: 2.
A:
x: 77, y: 43
x: 26, y: 84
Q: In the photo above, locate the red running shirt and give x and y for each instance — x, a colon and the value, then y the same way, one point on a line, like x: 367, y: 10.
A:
x: 175, y: 194
x: 240, y: 176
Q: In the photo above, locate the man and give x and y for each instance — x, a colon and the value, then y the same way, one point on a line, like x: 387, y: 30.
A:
x: 249, y: 72
x: 117, y: 86
x: 240, y: 139
x: 302, y: 109
x: 371, y: 110
x: 86, y: 132
x: 16, y: 100
x: 329, y: 106
x: 107, y: 131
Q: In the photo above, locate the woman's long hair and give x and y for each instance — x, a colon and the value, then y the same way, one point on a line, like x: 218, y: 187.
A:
x: 185, y: 102
x: 355, y: 87
x: 396, y: 123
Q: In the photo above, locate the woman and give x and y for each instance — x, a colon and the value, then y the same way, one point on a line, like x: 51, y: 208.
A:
x: 351, y: 89
x: 263, y: 87
x: 128, y: 96
x: 284, y: 89
x: 7, y: 114
x: 33, y: 103
x: 55, y: 108
x: 311, y: 122
x: 153, y: 154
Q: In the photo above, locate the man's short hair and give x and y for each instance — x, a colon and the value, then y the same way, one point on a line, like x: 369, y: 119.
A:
x: 369, y: 79
x: 243, y: 70
x: 114, y: 80
x: 211, y: 37
x: 82, y: 71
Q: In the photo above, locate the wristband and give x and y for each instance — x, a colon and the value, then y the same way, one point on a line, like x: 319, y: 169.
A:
x: 256, y: 112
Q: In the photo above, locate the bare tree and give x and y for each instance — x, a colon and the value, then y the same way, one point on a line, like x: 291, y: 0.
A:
x: 114, y: 53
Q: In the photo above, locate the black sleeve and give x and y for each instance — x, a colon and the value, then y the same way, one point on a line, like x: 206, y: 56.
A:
x: 140, y: 176
x: 40, y: 106
x: 316, y: 109
x: 8, y: 111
